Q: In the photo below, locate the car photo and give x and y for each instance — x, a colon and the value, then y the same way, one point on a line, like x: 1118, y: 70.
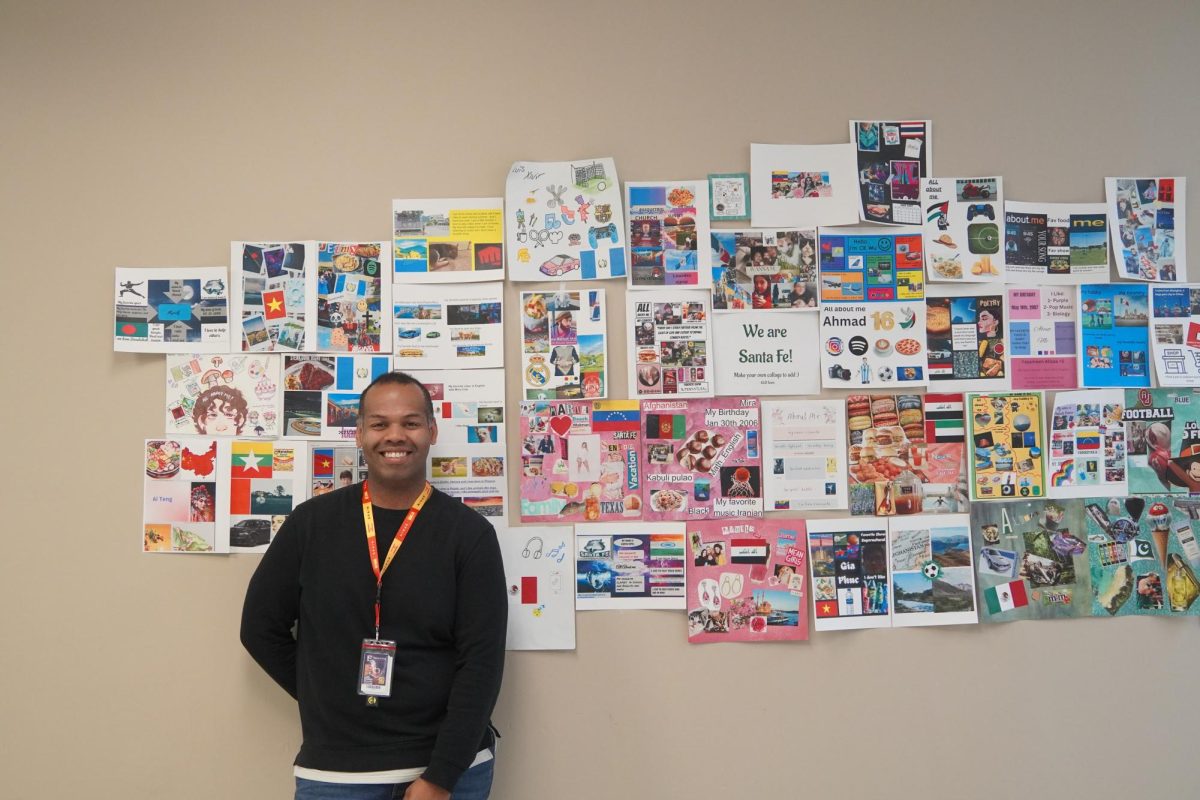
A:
x: 559, y: 265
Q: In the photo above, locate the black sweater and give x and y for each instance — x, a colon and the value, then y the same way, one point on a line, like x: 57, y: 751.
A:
x: 444, y: 605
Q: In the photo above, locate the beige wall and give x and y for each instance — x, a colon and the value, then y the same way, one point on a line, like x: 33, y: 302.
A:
x: 147, y: 134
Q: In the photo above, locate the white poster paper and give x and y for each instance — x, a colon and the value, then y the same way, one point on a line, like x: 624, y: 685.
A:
x: 469, y: 460
x: 848, y: 562
x: 169, y: 310
x: 795, y: 185
x: 224, y: 395
x: 448, y: 240
x: 449, y: 326
x: 564, y: 345
x: 668, y: 233
x: 539, y: 567
x: 804, y: 454
x: 564, y: 221
x: 669, y: 343
x: 933, y: 576
x: 183, y: 505
x: 265, y: 484
x: 274, y: 295
x: 1146, y: 217
x: 630, y: 565
x: 763, y: 270
x: 962, y: 227
x: 1175, y: 334
x: 764, y: 353
x: 1087, y: 455
x: 1055, y: 242
x: 873, y: 345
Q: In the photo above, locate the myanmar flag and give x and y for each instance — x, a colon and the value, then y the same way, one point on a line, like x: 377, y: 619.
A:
x: 252, y: 459
x: 1006, y: 597
x: 273, y: 305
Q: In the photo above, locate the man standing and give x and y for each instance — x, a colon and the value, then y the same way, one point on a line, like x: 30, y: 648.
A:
x: 398, y: 597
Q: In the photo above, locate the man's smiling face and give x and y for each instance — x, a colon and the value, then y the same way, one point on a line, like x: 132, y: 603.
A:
x: 395, y: 434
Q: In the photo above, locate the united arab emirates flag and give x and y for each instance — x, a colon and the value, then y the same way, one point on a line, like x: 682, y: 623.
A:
x: 1006, y: 597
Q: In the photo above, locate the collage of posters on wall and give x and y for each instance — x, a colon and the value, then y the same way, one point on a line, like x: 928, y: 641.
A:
x: 265, y: 484
x: 224, y: 395
x: 893, y: 157
x: 564, y: 221
x: 962, y: 228
x: 848, y: 563
x: 804, y: 454
x: 352, y: 297
x: 1032, y: 560
x: 1087, y: 455
x: 746, y: 581
x: 449, y: 326
x: 1042, y: 347
x: 1006, y: 434
x: 668, y: 233
x: 906, y: 454
x: 468, y: 460
x: 183, y: 506
x: 171, y: 310
x: 1175, y: 334
x: 539, y: 562
x: 764, y: 353
x: 802, y: 186
x: 580, y: 461
x: 1113, y: 334
x: 1143, y: 556
x: 1141, y: 218
x: 754, y: 269
x: 670, y: 340
x: 966, y: 340
x: 1055, y: 242
x: 703, y: 458
x: 933, y: 577
x: 564, y: 345
x: 274, y: 294
x: 630, y: 565
x: 448, y: 240
x: 321, y: 392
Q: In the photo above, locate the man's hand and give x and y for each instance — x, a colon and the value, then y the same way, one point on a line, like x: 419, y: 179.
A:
x: 422, y: 789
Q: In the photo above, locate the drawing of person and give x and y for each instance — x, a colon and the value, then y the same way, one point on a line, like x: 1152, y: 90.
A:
x: 220, y: 411
x: 988, y: 324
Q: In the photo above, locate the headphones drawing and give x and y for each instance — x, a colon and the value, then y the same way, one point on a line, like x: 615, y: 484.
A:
x: 536, y: 548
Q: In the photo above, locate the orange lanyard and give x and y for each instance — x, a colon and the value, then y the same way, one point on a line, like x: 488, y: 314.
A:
x: 401, y: 535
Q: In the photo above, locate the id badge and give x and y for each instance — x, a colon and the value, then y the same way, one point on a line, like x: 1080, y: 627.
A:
x: 375, y: 668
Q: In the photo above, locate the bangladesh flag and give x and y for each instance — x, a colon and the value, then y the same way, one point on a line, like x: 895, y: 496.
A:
x: 1006, y: 597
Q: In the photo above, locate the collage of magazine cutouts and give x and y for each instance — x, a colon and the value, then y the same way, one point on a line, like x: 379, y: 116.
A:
x: 992, y: 430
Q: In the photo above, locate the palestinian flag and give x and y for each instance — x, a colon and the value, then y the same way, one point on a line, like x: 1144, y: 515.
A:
x: 936, y: 210
x: 1006, y: 597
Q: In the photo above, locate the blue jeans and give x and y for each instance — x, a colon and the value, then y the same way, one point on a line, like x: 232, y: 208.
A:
x: 475, y: 784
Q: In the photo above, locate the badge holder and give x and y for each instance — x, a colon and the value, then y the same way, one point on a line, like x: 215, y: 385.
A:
x: 375, y: 669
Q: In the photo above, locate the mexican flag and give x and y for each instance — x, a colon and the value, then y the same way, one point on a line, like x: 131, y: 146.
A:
x: 1006, y: 597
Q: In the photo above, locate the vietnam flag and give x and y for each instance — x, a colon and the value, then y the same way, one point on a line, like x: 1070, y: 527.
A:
x: 322, y: 463
x: 827, y: 608
x: 252, y: 459
x: 273, y: 305
x: 1006, y: 597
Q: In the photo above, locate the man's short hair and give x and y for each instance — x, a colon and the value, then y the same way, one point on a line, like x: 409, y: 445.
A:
x: 399, y: 379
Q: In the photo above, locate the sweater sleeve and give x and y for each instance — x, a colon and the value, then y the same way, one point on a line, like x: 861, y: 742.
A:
x: 481, y: 629
x: 272, y: 605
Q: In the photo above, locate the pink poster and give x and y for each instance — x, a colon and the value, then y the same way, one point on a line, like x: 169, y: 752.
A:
x: 702, y: 458
x: 746, y: 581
x: 579, y: 461
x: 1041, y: 337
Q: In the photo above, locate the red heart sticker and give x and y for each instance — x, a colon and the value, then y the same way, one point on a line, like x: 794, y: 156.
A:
x: 561, y: 425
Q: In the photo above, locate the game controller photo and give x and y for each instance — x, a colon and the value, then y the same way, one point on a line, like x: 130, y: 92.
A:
x: 980, y: 210
x: 608, y: 231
